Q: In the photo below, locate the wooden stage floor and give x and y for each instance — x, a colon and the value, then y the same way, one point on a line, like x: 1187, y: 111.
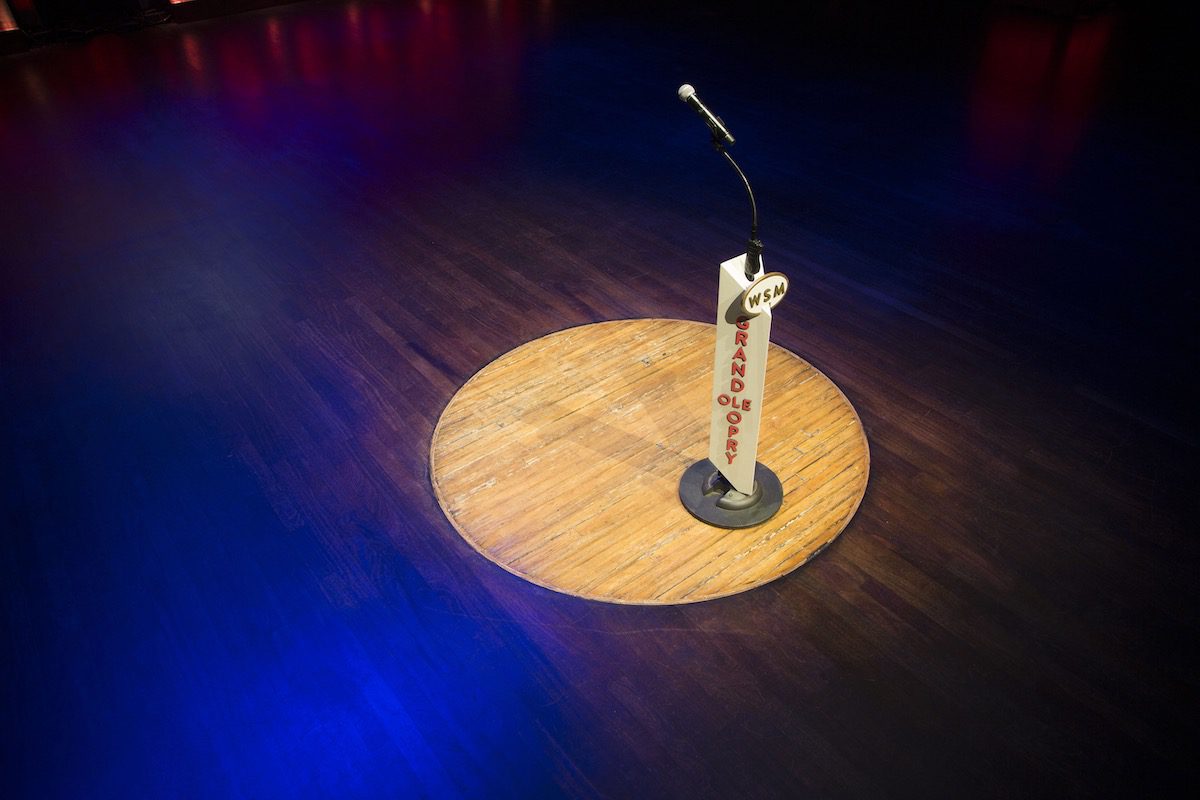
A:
x: 563, y: 462
x: 247, y: 262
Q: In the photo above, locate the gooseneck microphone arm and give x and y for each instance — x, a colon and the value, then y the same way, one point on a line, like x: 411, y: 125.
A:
x: 754, y: 247
x: 720, y: 138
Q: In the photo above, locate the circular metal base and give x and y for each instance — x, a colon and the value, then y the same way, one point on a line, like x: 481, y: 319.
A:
x: 710, y: 498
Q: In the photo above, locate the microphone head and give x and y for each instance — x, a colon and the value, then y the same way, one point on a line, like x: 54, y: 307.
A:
x: 686, y: 91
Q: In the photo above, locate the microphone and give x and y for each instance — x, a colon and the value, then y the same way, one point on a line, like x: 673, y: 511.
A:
x: 720, y: 133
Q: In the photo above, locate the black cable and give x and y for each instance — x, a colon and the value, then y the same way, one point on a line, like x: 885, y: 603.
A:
x: 755, y: 247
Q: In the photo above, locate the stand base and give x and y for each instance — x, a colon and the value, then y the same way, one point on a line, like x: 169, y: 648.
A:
x: 709, y: 498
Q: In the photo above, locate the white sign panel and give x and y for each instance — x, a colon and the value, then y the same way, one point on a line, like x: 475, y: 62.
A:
x: 739, y: 372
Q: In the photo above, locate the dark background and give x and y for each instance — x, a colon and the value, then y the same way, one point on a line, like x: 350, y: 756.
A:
x: 223, y: 350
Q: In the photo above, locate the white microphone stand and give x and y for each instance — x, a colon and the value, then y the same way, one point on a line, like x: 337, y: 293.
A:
x: 730, y: 488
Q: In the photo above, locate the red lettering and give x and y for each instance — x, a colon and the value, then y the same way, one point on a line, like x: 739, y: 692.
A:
x: 731, y: 445
x: 740, y: 354
x: 723, y: 400
x: 736, y: 385
x: 731, y: 457
x: 732, y: 430
x: 743, y: 323
x: 738, y: 369
x: 745, y: 405
x: 733, y: 418
x: 740, y: 337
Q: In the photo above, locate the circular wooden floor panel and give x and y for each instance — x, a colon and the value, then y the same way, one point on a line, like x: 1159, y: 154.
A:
x: 560, y: 461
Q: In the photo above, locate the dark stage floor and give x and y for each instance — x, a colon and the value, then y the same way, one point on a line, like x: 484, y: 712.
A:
x: 247, y: 262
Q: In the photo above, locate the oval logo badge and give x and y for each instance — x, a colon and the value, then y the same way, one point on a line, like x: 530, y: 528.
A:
x: 764, y: 293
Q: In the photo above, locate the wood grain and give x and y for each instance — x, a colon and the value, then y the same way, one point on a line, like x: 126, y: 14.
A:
x: 560, y: 461
x: 246, y: 263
